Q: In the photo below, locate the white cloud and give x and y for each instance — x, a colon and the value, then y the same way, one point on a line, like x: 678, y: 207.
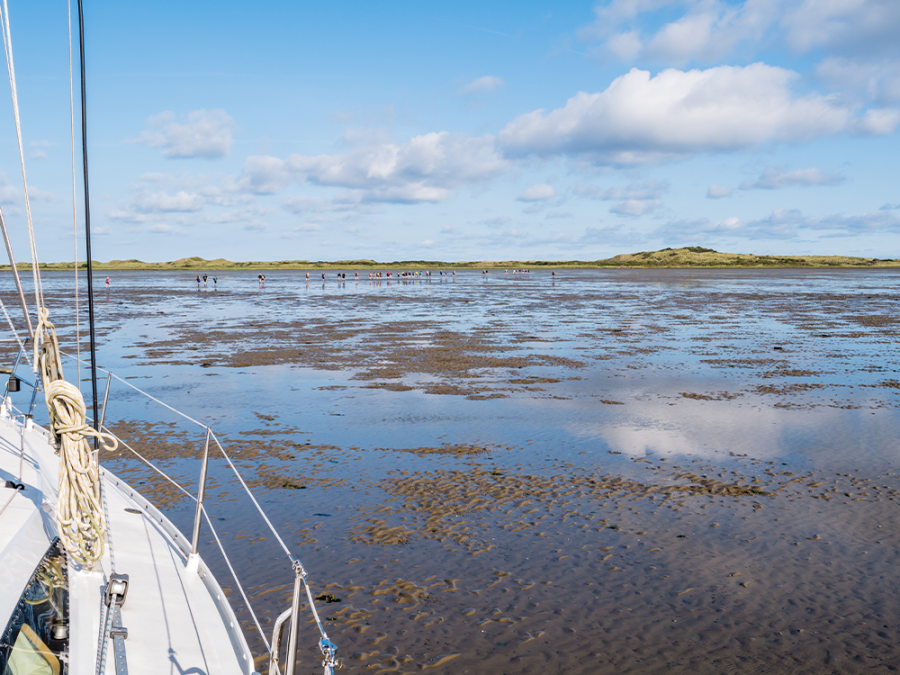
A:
x: 206, y: 134
x: 701, y: 30
x: 164, y: 228
x: 537, y: 193
x: 640, y: 119
x: 717, y: 192
x: 9, y: 194
x: 872, y: 80
x: 483, y: 85
x: 156, y: 202
x: 424, y: 169
x: 784, y: 223
x: 711, y: 30
x: 859, y: 26
x: 498, y: 221
x: 626, y: 46
x: 774, y: 178
x: 878, y: 122
x: 37, y: 195
x: 635, y: 207
x: 636, y: 199
x: 38, y: 149
x: 649, y: 189
x: 300, y: 231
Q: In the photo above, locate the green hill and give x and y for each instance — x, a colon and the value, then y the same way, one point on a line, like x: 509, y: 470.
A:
x: 690, y: 256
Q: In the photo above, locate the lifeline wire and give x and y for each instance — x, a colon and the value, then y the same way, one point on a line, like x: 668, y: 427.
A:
x: 147, y: 462
x: 255, y: 503
x: 236, y: 581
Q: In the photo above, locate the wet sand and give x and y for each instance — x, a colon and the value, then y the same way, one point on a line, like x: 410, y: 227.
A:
x: 651, y: 473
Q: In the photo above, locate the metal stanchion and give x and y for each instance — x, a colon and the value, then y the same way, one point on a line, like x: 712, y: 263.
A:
x: 193, y: 558
x: 291, y: 658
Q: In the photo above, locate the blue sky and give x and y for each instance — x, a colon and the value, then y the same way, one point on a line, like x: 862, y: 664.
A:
x: 463, y: 131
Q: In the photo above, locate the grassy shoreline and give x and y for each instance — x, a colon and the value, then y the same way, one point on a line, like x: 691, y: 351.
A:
x: 689, y: 257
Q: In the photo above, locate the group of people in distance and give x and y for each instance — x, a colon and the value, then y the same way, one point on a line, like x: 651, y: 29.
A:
x: 405, y: 275
x: 205, y: 280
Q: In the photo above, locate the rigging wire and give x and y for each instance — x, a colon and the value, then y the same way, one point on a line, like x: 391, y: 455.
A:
x: 87, y: 217
x: 11, y: 69
x: 74, y: 202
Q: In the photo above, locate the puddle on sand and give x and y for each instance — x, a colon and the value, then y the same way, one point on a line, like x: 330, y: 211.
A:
x: 619, y: 471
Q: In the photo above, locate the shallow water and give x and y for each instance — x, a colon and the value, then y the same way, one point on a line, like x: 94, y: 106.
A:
x: 613, y: 471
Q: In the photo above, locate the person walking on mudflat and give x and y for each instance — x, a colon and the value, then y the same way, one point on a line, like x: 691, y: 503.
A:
x: 107, y: 283
x: 198, y: 282
x: 204, y: 282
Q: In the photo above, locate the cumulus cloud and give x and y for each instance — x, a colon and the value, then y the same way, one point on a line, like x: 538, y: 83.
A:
x: 636, y: 199
x: 35, y: 194
x: 648, y: 189
x: 206, y: 134
x: 872, y: 80
x: 164, y: 228
x: 156, y: 202
x: 483, y: 85
x: 38, y: 149
x: 857, y: 26
x: 537, y: 193
x: 426, y: 168
x: 704, y: 31
x: 635, y: 207
x: 640, y: 119
x: 300, y: 231
x: 9, y: 194
x: 878, y: 122
x: 718, y: 192
x: 497, y: 221
x: 774, y: 178
x: 783, y: 223
x: 684, y: 30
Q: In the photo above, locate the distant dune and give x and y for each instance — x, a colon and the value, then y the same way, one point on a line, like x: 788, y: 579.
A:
x: 691, y: 256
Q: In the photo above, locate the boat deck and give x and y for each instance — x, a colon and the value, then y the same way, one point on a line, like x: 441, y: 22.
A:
x: 178, y: 618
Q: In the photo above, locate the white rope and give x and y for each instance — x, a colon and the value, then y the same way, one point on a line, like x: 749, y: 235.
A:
x: 79, y: 512
x: 11, y: 69
x: 74, y: 202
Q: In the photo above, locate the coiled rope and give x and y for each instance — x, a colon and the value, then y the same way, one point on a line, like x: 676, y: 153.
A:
x: 79, y: 510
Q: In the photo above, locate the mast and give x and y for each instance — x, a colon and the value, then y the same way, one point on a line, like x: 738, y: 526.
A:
x: 87, y: 222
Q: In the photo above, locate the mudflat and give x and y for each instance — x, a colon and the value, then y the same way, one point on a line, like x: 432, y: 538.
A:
x: 609, y: 471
